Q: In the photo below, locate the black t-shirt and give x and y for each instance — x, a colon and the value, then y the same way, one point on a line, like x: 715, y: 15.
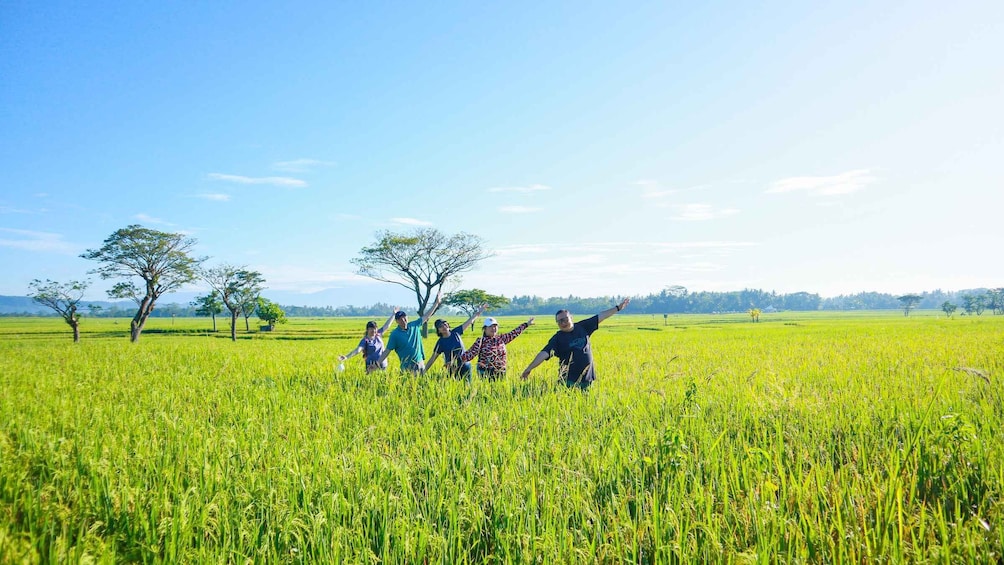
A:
x: 572, y: 349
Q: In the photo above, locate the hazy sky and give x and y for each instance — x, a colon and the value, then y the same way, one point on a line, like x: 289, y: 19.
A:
x: 598, y: 148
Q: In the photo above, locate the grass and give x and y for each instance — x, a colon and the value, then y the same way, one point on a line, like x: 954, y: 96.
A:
x: 808, y: 437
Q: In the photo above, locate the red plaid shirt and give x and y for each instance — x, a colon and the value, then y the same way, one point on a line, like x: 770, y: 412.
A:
x: 491, y: 352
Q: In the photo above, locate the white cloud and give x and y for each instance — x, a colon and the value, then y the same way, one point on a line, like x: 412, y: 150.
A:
x: 518, y: 209
x: 305, y: 279
x: 411, y: 222
x: 654, y: 189
x: 300, y: 165
x: 836, y: 185
x: 145, y: 218
x: 9, y: 210
x: 520, y: 249
x: 286, y: 182
x: 215, y: 197
x: 530, y: 188
x: 701, y: 212
x: 36, y: 241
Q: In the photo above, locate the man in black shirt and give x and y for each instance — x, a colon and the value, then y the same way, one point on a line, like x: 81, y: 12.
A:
x: 571, y: 346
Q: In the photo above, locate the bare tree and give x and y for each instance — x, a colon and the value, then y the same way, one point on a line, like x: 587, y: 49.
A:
x: 162, y: 260
x: 422, y: 261
x: 63, y: 298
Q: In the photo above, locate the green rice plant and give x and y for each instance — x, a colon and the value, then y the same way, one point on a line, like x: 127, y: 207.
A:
x: 807, y: 437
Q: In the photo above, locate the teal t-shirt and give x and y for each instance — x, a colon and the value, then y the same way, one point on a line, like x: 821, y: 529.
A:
x: 408, y: 344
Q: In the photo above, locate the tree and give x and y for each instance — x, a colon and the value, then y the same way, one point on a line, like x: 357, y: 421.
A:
x: 422, y: 260
x: 234, y: 285
x: 208, y: 305
x: 995, y: 300
x: 974, y: 303
x: 909, y: 302
x: 948, y: 308
x: 162, y: 260
x: 270, y: 313
x: 63, y: 298
x: 470, y: 301
x: 754, y: 314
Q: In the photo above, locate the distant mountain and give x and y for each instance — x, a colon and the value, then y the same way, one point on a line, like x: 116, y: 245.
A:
x: 20, y: 305
x: 25, y: 305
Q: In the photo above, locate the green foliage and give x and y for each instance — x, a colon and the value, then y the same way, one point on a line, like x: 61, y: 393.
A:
x: 162, y: 260
x: 806, y: 438
x: 62, y: 298
x: 470, y: 301
x: 238, y: 288
x: 909, y: 302
x: 948, y: 308
x: 270, y: 312
x: 974, y: 304
x: 421, y: 261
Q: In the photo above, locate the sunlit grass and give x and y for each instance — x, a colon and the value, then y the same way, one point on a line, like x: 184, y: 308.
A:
x: 806, y: 437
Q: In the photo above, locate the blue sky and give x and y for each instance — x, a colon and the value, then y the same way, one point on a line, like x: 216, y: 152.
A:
x: 598, y: 148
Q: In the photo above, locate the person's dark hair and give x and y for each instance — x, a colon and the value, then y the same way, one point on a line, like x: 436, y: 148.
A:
x: 560, y: 312
x: 371, y: 324
x: 439, y: 322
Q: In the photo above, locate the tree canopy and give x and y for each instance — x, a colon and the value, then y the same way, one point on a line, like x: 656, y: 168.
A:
x: 470, y: 301
x: 162, y: 260
x: 238, y: 288
x: 270, y: 312
x: 63, y: 298
x: 422, y: 260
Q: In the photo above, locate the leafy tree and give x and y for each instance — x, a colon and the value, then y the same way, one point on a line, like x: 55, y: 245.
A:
x: 236, y: 286
x: 208, y: 305
x: 995, y: 300
x: 422, y: 260
x: 948, y: 308
x: 909, y: 302
x: 270, y: 312
x: 974, y: 303
x: 470, y: 301
x: 754, y: 314
x: 64, y: 298
x: 162, y: 260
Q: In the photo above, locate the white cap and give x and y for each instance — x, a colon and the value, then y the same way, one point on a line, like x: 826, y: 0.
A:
x: 490, y: 322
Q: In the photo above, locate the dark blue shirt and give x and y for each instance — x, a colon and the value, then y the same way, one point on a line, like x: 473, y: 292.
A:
x: 575, y: 356
x: 450, y: 346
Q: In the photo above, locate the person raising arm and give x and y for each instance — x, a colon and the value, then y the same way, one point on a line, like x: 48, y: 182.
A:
x: 372, y: 345
x: 451, y: 346
x: 571, y: 345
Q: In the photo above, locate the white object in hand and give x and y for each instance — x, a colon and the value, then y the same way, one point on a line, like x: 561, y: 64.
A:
x: 341, y: 367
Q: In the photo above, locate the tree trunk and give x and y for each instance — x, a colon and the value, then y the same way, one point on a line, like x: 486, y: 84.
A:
x: 214, y: 323
x: 233, y: 325
x: 76, y: 331
x: 139, y: 320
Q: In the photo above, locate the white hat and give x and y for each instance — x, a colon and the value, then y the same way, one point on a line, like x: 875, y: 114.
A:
x: 490, y: 322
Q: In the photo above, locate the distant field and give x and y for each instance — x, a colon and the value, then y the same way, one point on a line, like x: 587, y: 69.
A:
x: 808, y: 437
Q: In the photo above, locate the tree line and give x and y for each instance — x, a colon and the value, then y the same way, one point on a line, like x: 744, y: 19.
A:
x: 147, y: 264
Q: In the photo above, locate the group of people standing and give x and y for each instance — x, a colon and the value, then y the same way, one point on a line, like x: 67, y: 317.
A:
x: 570, y: 344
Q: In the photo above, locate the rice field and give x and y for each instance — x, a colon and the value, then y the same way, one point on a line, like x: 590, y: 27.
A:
x: 805, y: 438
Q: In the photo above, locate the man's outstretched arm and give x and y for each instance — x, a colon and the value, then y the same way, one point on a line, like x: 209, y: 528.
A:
x: 540, y: 358
x: 611, y: 311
